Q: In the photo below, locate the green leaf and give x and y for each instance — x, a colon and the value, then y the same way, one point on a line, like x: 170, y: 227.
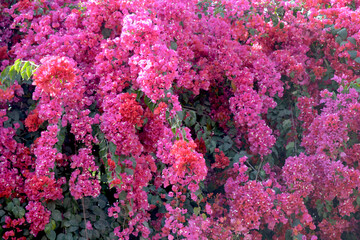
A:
x: 151, y: 105
x: 53, y: 224
x: 343, y: 43
x: 102, y: 201
x: 96, y: 234
x: 282, y: 25
x: 61, y: 236
x: 192, y: 119
x: 352, y: 40
x: 139, y: 95
x: 67, y: 203
x: 24, y: 70
x: 15, y: 115
x: 61, y: 137
x: 239, y: 155
x: 15, y: 211
x: 129, y: 171
x: 48, y: 227
x: 286, y: 124
x: 73, y: 228
x: 275, y: 20
x: 75, y: 221
x: 112, y: 147
x: 67, y: 224
x: 343, y: 33
x: 183, y: 133
x: 299, y: 236
x: 103, y: 150
x: 296, y: 222
x: 69, y: 236
x: 4, y: 74
x: 334, y: 31
x: 122, y: 195
x: 338, y: 39
x: 67, y: 214
x: 252, y: 31
x: 196, y: 211
x: 20, y: 212
x: 290, y: 145
x: 277, y: 190
x: 56, y: 215
x: 17, y: 65
x: 288, y: 235
x: 292, y: 74
x: 51, y: 235
x: 101, y: 224
x: 173, y: 45
x: 99, y: 212
x: 352, y: 54
x: 328, y: 207
x: 51, y: 206
x: 181, y: 115
x: 106, y: 32
x: 16, y: 201
x: 357, y: 59
x: 226, y: 146
x: 29, y: 72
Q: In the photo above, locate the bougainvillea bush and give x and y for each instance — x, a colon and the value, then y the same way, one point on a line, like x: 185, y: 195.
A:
x: 186, y: 119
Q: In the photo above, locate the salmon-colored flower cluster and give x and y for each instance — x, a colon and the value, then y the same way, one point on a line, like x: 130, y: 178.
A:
x: 33, y: 122
x: 187, y: 160
x: 55, y: 74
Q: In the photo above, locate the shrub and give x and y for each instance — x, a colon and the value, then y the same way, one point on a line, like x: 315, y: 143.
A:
x: 179, y: 119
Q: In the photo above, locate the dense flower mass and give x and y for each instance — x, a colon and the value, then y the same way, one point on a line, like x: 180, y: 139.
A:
x: 187, y: 119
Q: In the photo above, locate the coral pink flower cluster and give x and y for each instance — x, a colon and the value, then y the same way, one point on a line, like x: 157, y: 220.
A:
x: 55, y: 74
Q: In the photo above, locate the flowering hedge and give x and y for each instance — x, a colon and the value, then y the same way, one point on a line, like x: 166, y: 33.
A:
x: 187, y: 119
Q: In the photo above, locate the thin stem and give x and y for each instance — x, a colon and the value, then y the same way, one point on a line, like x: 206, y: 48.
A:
x: 293, y: 122
x: 247, y: 161
x: 189, y: 108
x: 258, y: 171
x: 83, y: 207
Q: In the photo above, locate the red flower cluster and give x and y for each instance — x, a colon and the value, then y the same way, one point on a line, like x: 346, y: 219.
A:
x: 55, y: 74
x: 130, y: 110
x: 221, y: 161
x: 43, y: 187
x: 187, y: 160
x: 13, y: 224
x: 32, y: 121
